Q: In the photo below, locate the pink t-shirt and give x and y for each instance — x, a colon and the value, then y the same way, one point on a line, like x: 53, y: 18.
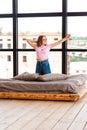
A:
x: 43, y: 51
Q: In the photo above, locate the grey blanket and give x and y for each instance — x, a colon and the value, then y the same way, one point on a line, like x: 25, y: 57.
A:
x: 71, y: 85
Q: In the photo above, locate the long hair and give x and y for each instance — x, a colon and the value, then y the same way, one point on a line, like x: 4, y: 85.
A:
x: 39, y: 40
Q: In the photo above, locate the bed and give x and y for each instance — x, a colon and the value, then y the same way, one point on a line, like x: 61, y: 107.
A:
x: 45, y: 87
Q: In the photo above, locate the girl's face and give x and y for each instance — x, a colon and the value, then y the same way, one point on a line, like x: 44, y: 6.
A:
x: 44, y: 40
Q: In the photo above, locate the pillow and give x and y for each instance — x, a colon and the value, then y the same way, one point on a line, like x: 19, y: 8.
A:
x: 27, y: 76
x: 52, y: 77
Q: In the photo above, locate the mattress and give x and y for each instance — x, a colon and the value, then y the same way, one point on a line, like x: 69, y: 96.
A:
x: 72, y: 86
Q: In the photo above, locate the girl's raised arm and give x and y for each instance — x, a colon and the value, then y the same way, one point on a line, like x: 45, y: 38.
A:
x: 61, y: 41
x: 30, y: 42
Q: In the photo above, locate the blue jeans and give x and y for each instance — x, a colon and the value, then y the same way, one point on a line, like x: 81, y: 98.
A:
x: 43, y: 67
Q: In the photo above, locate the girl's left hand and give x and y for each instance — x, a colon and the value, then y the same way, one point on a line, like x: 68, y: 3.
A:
x: 68, y: 36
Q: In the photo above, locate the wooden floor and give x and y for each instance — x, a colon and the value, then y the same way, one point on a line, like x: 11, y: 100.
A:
x: 43, y: 115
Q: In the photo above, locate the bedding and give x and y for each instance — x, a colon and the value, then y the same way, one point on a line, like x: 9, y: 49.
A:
x: 46, y: 87
x: 69, y: 84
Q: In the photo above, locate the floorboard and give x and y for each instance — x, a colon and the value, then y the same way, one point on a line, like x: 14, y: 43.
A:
x: 43, y: 115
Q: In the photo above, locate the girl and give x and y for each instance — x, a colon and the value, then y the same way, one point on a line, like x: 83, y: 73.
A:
x: 42, y: 51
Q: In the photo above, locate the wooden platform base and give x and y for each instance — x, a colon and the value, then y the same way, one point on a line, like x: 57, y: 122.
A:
x: 43, y: 96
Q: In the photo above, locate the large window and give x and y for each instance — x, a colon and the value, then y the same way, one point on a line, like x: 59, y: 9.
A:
x: 54, y: 18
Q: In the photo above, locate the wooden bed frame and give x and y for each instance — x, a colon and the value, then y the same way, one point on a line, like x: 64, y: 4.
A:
x: 43, y: 96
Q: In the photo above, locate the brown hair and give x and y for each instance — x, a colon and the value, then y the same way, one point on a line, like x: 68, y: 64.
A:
x: 39, y: 40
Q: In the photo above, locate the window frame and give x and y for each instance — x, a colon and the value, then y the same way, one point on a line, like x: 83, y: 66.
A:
x: 64, y: 14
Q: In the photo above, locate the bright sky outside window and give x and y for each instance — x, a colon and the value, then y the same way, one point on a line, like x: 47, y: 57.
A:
x: 35, y: 25
x: 77, y: 26
x: 5, y: 6
x: 36, y: 6
x: 77, y: 5
x: 6, y: 25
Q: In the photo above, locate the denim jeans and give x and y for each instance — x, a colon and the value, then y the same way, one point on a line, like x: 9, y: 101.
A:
x: 43, y: 67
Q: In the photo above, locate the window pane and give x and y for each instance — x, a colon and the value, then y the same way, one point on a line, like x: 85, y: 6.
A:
x: 36, y: 6
x: 6, y: 66
x: 77, y: 63
x: 77, y: 5
x: 55, y: 59
x: 77, y: 29
x: 5, y: 6
x: 6, y: 37
x: 32, y: 27
x: 30, y: 65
